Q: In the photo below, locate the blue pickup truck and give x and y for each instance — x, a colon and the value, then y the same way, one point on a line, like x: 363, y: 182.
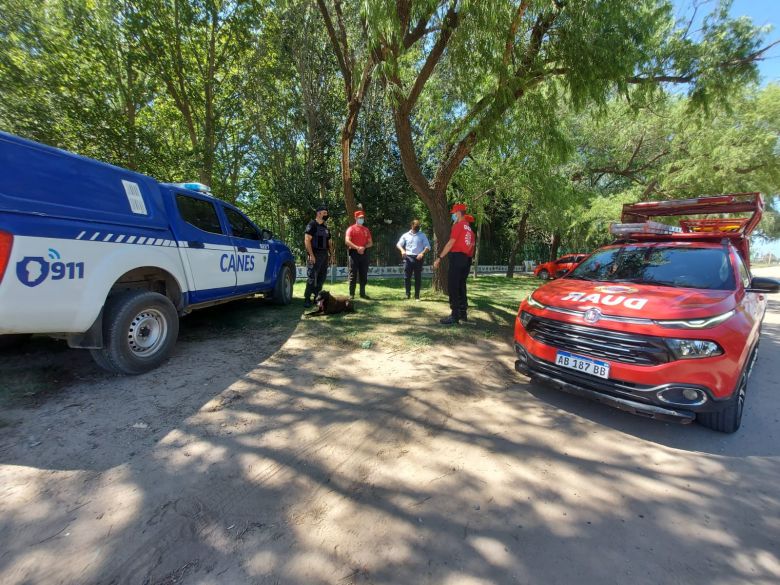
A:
x: 109, y: 259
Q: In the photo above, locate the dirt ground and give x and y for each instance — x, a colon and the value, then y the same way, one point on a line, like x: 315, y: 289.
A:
x: 261, y: 454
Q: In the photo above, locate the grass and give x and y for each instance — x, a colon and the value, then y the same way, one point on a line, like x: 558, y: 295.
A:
x: 390, y: 321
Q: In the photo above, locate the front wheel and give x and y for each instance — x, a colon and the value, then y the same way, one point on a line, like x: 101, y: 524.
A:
x: 283, y: 291
x: 139, y: 331
x: 729, y: 419
x: 544, y: 274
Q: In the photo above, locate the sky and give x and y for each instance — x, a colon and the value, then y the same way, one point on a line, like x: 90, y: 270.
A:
x: 762, y: 12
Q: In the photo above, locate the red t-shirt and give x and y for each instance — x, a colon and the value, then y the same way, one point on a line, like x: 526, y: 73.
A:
x: 464, y: 238
x: 358, y: 234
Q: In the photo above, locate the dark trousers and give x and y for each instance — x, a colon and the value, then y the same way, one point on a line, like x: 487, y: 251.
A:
x: 412, y: 266
x: 458, y: 275
x: 358, y: 271
x: 316, y: 273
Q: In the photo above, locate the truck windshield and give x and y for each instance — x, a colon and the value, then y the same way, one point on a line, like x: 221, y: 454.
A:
x: 703, y: 268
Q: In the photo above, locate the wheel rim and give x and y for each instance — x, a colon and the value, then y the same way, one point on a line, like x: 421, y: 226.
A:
x: 147, y: 332
x: 287, y: 286
x: 544, y: 274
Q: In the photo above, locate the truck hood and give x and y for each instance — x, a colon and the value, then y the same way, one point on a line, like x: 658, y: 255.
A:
x: 635, y: 300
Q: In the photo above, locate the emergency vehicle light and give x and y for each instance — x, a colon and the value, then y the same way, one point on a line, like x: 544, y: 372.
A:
x: 645, y: 227
x: 199, y: 187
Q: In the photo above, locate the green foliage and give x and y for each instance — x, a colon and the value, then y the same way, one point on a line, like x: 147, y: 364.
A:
x: 571, y: 112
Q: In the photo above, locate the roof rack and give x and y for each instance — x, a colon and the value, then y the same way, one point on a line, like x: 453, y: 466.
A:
x: 636, y: 223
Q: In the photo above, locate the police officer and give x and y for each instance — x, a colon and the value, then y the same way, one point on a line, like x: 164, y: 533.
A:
x: 317, y: 241
x: 358, y: 241
x: 413, y: 245
x: 460, y: 247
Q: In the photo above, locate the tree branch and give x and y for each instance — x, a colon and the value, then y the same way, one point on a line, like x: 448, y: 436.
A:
x: 448, y: 27
x: 346, y: 72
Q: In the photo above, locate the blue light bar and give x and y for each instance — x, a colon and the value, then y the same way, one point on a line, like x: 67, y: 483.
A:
x: 199, y: 187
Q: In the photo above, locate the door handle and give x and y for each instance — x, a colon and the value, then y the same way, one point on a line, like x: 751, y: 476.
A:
x: 196, y: 244
x: 242, y: 249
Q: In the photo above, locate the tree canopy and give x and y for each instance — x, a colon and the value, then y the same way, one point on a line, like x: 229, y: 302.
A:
x: 544, y: 116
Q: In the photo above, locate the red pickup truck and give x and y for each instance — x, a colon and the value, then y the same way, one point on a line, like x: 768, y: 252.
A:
x: 665, y: 322
x: 558, y: 267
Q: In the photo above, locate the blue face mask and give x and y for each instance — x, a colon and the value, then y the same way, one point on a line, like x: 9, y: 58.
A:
x: 360, y: 220
x: 454, y: 217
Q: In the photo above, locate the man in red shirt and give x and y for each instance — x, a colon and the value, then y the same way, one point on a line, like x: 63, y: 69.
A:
x: 460, y: 247
x: 358, y: 240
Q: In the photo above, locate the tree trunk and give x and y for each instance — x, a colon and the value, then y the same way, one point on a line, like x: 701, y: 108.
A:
x: 519, y: 241
x: 476, y: 249
x: 347, y: 135
x: 554, y: 245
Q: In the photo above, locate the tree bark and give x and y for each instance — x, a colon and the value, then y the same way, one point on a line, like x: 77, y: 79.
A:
x: 519, y: 241
x: 554, y: 245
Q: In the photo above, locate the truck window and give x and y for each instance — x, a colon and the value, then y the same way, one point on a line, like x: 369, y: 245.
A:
x: 240, y: 227
x: 199, y: 213
x: 743, y: 272
x: 705, y: 268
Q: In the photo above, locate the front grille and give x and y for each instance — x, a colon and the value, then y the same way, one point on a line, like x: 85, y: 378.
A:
x: 602, y: 343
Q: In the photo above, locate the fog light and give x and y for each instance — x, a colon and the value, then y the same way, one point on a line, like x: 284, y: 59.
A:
x: 681, y: 396
x: 525, y: 319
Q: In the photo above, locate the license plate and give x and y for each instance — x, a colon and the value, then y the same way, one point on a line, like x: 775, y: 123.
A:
x: 582, y: 364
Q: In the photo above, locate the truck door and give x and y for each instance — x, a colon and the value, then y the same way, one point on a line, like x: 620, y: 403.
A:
x: 251, y: 260
x: 207, y: 247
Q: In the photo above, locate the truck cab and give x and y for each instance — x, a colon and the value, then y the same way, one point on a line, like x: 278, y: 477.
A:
x: 665, y: 322
x: 109, y: 259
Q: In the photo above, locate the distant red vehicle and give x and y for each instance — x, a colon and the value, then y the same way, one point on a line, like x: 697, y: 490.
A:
x: 664, y: 323
x: 559, y: 267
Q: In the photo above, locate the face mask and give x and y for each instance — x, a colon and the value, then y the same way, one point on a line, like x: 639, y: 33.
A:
x: 325, y: 217
x: 454, y: 217
x: 360, y: 220
x: 415, y: 230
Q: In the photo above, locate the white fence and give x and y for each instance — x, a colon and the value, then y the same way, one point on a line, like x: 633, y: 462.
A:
x: 341, y: 272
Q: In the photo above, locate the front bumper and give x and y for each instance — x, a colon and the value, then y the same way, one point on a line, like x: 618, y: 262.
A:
x: 634, y: 398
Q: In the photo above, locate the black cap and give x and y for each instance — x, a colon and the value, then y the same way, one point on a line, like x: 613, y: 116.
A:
x: 322, y: 207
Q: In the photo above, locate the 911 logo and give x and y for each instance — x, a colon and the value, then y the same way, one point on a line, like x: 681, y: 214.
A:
x: 34, y: 270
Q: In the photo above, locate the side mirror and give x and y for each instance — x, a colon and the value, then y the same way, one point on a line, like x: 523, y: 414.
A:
x: 762, y: 284
x: 266, y: 235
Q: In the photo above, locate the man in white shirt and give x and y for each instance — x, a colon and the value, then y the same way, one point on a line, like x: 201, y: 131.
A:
x: 413, y: 246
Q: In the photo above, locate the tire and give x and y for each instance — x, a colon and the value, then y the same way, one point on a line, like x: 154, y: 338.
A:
x: 283, y: 291
x: 729, y: 419
x: 139, y: 331
x: 544, y: 275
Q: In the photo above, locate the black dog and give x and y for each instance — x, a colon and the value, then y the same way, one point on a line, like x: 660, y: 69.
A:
x: 328, y: 304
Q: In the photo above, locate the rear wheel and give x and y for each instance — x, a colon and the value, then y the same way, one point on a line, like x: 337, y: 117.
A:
x: 139, y: 332
x: 729, y: 419
x: 283, y: 291
x: 544, y: 274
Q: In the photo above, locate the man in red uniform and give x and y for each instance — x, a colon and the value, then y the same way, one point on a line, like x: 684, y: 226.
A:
x: 460, y: 247
x: 358, y: 240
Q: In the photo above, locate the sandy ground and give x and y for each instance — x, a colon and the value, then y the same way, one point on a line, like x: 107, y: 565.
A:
x: 258, y: 458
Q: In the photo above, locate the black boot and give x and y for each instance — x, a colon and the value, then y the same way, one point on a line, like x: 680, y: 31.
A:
x: 451, y: 320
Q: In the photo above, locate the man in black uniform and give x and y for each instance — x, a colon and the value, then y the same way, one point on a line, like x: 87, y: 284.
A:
x: 317, y: 242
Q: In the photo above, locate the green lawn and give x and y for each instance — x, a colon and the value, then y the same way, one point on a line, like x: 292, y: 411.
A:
x: 392, y: 322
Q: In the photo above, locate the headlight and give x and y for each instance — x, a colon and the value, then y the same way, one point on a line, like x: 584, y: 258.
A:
x: 697, y: 323
x: 684, y: 349
x: 535, y: 304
